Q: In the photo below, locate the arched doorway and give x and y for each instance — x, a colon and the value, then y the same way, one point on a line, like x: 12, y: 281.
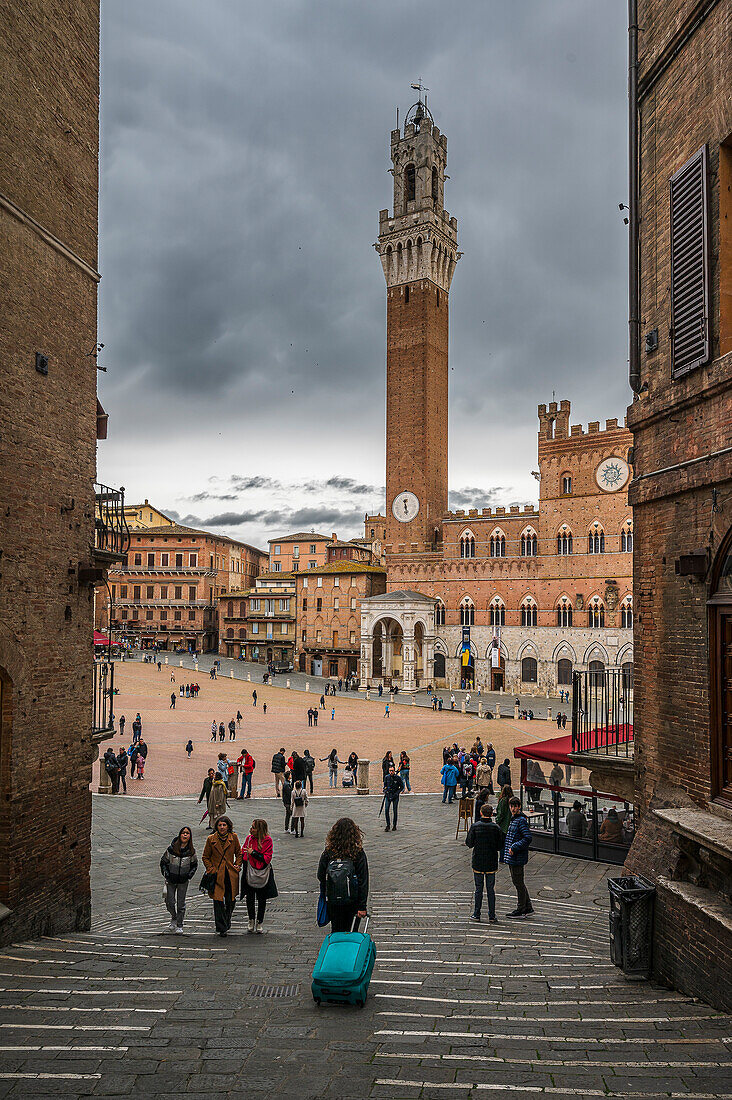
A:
x: 498, y: 673
x: 720, y: 656
x: 439, y: 665
x: 387, y: 650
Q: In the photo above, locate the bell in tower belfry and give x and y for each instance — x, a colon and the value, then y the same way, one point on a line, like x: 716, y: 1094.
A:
x: 418, y: 249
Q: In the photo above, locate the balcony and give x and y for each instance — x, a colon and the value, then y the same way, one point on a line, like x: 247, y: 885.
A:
x: 602, y: 728
x: 111, y: 533
x: 103, y: 719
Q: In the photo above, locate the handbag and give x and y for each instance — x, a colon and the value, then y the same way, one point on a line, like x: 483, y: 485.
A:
x: 321, y: 915
x: 258, y: 877
x: 208, y: 882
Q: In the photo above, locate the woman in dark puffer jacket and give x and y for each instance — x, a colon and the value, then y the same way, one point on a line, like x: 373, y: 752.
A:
x: 178, y: 864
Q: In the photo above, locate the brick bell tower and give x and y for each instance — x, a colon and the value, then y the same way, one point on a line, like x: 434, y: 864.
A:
x: 418, y: 249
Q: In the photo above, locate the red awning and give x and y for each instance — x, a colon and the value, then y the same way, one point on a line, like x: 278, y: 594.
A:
x: 557, y: 749
x: 100, y: 639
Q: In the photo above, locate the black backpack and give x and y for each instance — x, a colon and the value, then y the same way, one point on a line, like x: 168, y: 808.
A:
x: 299, y: 800
x: 341, y: 882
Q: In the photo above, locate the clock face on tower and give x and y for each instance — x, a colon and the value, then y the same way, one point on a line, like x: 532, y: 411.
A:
x: 405, y: 507
x: 612, y: 474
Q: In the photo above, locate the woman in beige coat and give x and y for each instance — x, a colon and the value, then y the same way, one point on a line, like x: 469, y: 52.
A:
x: 484, y: 775
x: 222, y: 857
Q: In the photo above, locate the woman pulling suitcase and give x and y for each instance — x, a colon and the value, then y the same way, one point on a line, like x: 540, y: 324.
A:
x: 343, y: 873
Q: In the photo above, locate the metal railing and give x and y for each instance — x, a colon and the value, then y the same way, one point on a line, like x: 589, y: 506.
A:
x: 602, y: 711
x: 103, y: 721
x: 111, y: 533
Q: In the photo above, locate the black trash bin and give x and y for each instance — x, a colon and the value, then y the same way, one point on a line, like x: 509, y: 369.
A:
x: 631, y: 924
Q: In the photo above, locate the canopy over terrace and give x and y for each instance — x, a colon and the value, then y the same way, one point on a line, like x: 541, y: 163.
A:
x: 567, y: 814
x: 100, y: 639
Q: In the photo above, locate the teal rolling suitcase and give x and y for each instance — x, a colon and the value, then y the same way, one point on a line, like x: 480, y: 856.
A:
x: 343, y: 968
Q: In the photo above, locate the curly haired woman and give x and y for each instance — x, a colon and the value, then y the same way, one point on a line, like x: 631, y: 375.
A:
x: 343, y: 873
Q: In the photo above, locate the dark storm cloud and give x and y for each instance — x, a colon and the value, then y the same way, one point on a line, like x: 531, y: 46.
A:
x: 199, y: 497
x: 244, y: 160
x: 474, y: 498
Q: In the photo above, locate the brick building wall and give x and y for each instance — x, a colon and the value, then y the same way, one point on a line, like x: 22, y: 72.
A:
x: 681, y: 496
x: 464, y: 571
x: 168, y: 593
x: 48, y: 241
x: 295, y: 553
x: 329, y: 616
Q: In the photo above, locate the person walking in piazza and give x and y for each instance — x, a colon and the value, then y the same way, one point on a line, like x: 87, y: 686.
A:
x: 322, y: 702
x: 206, y: 788
x: 247, y: 765
x: 254, y: 698
x: 343, y: 874
x: 450, y: 776
x: 298, y: 805
x: 172, y: 701
x: 393, y: 787
x: 503, y: 776
x: 214, y: 729
x: 516, y: 855
x: 222, y: 858
x: 258, y: 884
x: 178, y: 864
x: 403, y: 772
x: 122, y: 721
x: 222, y: 731
x: 217, y: 801
x: 232, y: 730
x: 333, y: 763
x: 483, y: 775
x: 239, y: 717
x: 386, y: 711
x: 332, y: 714
x: 278, y: 770
x: 112, y: 769
x: 386, y: 763
x: 189, y: 748
x: 486, y: 840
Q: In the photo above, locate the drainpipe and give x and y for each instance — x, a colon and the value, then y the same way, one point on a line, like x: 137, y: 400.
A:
x: 634, y: 377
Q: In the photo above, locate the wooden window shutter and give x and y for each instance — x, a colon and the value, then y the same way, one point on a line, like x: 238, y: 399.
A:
x: 690, y: 344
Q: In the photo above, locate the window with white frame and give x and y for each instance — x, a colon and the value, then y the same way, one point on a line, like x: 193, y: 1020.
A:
x: 254, y: 605
x: 254, y: 628
x: 439, y: 613
x: 353, y: 603
x: 564, y: 612
x: 296, y: 551
x: 566, y: 485
x: 529, y: 612
x: 467, y: 545
x: 497, y: 612
x: 498, y: 544
x: 529, y: 543
x: 336, y: 603
x: 320, y: 582
x: 596, y: 539
x: 336, y: 582
x: 596, y: 613
x: 467, y: 612
x: 564, y: 541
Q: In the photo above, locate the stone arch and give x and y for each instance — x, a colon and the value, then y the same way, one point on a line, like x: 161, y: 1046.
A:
x: 527, y: 649
x: 467, y: 543
x: 626, y: 653
x: 564, y: 649
x: 503, y: 648
x: 529, y: 542
x: 473, y: 650
x: 595, y: 652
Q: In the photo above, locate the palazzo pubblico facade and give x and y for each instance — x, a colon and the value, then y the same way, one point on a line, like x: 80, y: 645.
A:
x: 505, y: 598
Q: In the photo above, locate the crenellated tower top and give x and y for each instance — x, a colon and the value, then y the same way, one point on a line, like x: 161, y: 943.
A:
x: 419, y: 239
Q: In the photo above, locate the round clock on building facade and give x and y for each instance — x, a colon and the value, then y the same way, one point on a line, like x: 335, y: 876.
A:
x: 405, y: 507
x: 612, y: 474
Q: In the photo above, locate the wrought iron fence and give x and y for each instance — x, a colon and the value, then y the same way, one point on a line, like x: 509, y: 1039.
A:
x: 602, y: 711
x: 103, y: 697
x: 111, y: 533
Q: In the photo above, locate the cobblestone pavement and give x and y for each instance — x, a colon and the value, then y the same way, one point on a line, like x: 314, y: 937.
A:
x: 358, y: 726
x: 455, y: 1008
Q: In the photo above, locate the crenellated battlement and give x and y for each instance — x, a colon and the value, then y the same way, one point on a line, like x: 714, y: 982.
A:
x: 460, y: 515
x: 554, y: 423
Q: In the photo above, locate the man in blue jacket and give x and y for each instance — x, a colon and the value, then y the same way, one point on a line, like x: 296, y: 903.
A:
x: 450, y: 776
x: 516, y: 855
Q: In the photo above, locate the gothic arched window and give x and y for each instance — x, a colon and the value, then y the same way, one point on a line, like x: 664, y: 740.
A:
x: 564, y: 671
x: 498, y: 612
x: 498, y: 544
x: 626, y: 613
x: 410, y: 183
x: 467, y: 545
x: 596, y: 540
x: 626, y: 537
x: 564, y: 612
x: 596, y: 613
x: 529, y: 612
x: 529, y: 670
x: 467, y: 612
x: 564, y: 540
x: 529, y: 543
x: 439, y: 613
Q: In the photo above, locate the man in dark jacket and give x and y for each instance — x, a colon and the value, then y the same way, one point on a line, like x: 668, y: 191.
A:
x: 516, y: 855
x: 299, y: 769
x: 486, y: 840
x: 110, y: 763
x: 278, y: 770
x: 309, y: 767
x: 122, y: 761
x: 490, y: 757
x: 503, y: 776
x: 286, y: 798
x: 393, y: 787
x: 206, y: 789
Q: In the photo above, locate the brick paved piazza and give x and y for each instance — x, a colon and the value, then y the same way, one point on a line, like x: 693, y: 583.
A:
x: 455, y: 1009
x: 358, y: 726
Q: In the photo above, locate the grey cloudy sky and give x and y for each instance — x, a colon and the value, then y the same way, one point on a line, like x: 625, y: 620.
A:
x: 244, y: 162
